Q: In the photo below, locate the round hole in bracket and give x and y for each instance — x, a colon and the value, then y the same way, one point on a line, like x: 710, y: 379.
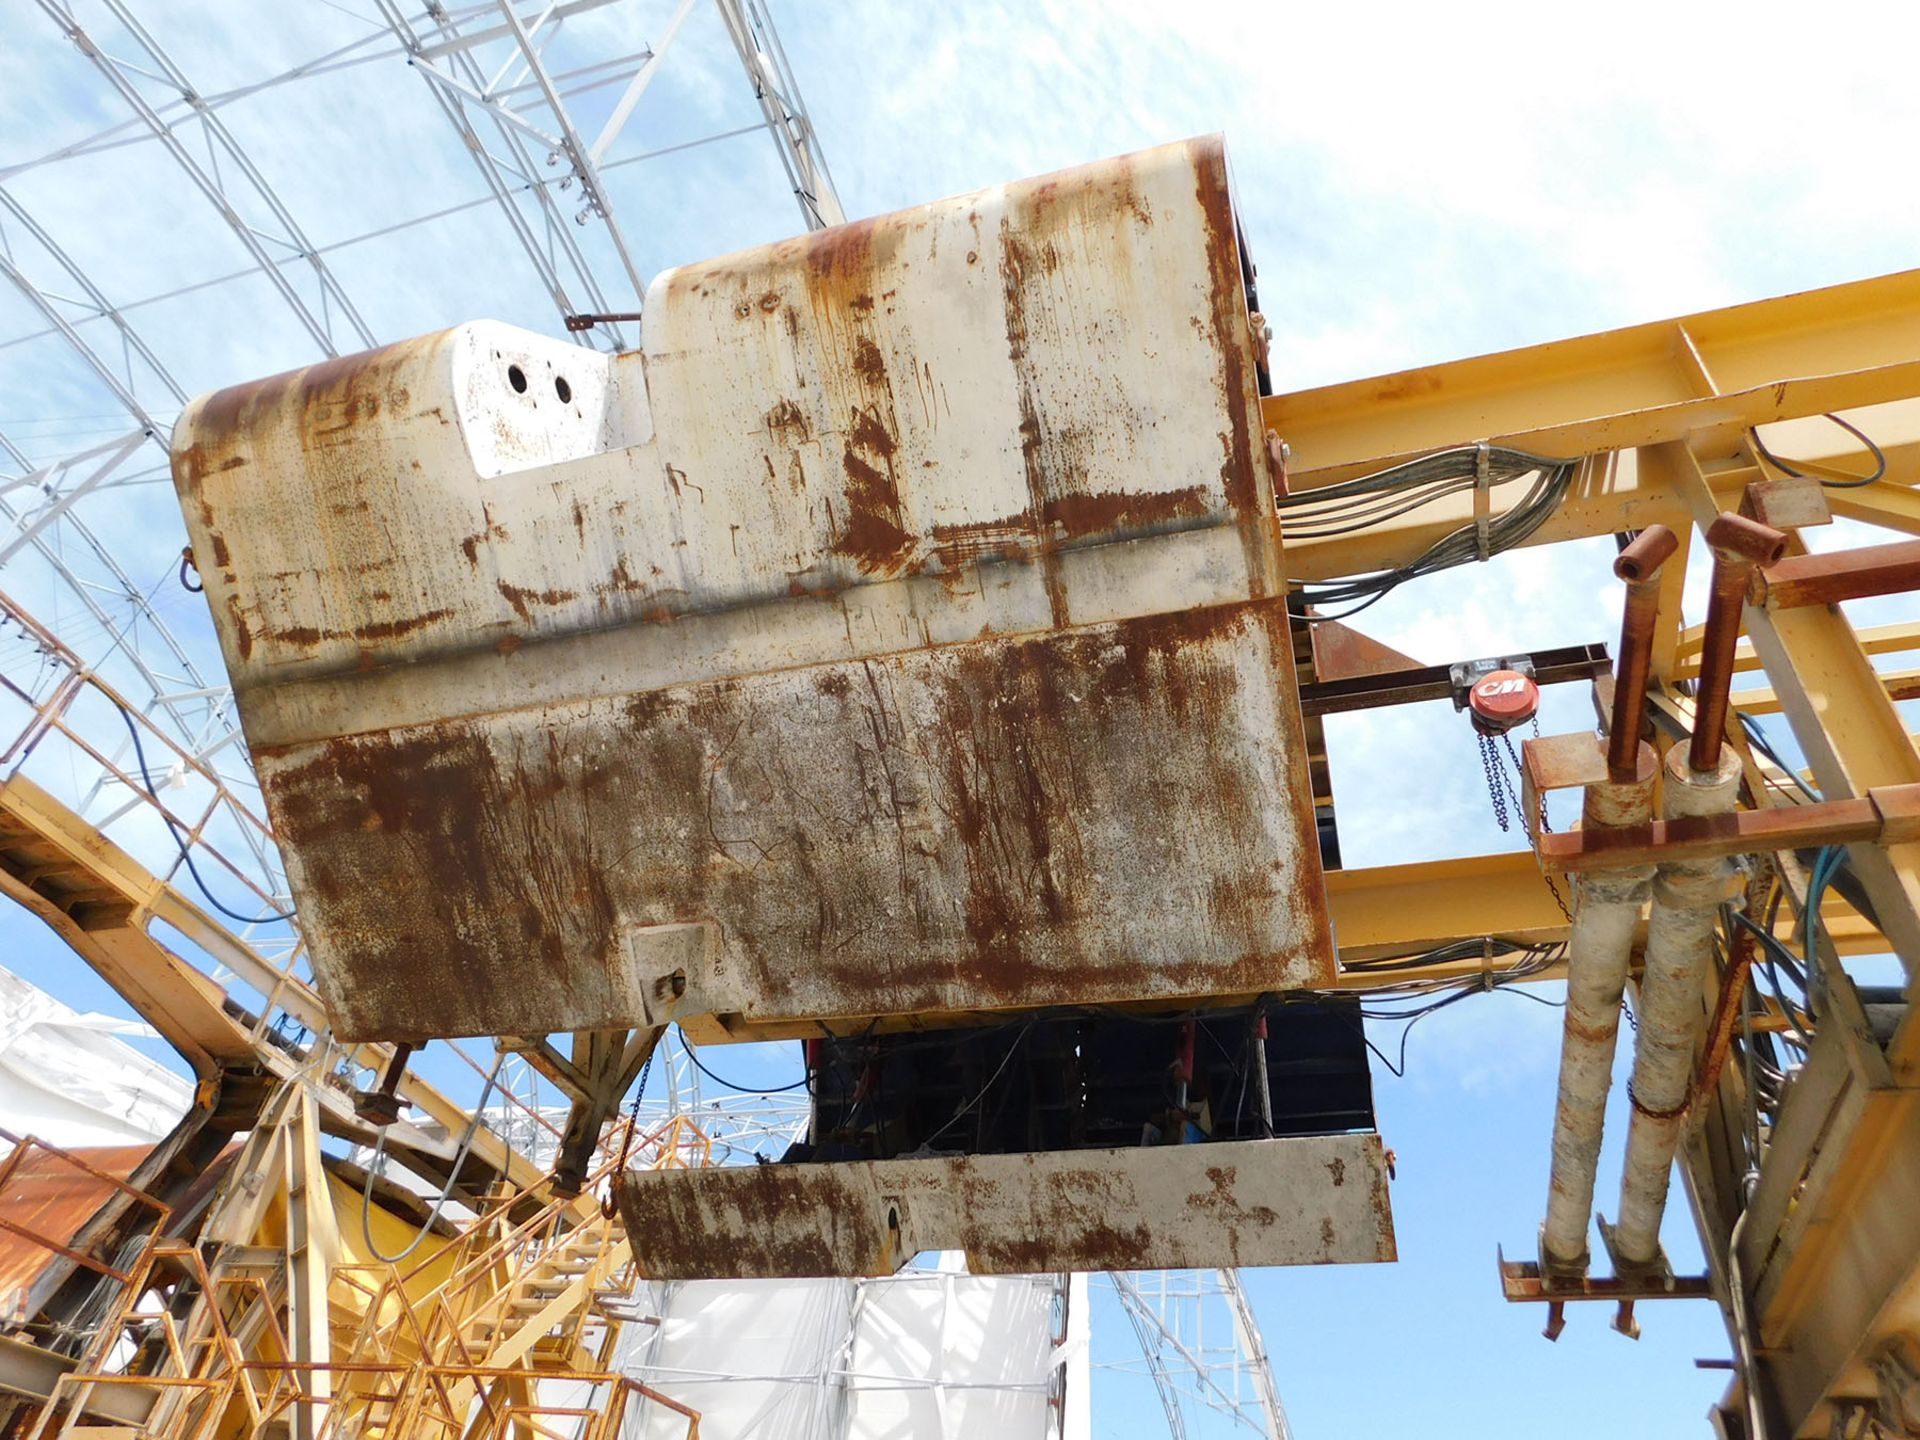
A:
x: 562, y: 389
x: 517, y: 378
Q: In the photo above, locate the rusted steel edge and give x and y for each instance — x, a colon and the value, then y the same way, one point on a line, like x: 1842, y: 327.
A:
x: 1802, y: 580
x: 1889, y: 815
x: 1522, y: 1282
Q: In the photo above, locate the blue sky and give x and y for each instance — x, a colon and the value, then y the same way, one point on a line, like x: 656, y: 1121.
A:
x: 1417, y: 182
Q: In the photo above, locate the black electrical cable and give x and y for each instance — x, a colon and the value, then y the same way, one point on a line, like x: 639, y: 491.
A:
x: 146, y: 779
x: 1786, y: 468
x: 1776, y: 954
x: 694, y: 1056
x: 1757, y: 738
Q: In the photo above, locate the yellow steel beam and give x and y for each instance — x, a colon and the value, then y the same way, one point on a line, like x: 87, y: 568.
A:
x: 1393, y: 910
x: 1707, y: 377
x: 1763, y: 700
x: 1606, y: 497
x: 1875, y: 640
x: 1704, y: 378
x: 1896, y: 507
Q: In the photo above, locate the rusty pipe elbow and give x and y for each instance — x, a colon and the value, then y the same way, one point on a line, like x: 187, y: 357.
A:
x: 1736, y: 538
x: 1640, y: 562
x: 1639, y: 565
x: 1738, y: 545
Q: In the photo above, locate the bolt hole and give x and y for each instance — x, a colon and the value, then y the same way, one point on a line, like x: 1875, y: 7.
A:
x: 517, y: 378
x: 893, y: 1219
x: 562, y: 389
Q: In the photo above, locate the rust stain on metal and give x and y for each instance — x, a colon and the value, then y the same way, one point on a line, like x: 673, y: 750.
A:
x: 897, y: 797
x: 620, y: 580
x: 986, y: 825
x: 868, y: 363
x: 1246, y: 1203
x: 873, y: 536
x: 308, y: 635
x: 1015, y: 266
x: 1108, y: 511
x: 957, y: 546
x: 787, y: 423
x: 523, y: 598
x: 470, y: 544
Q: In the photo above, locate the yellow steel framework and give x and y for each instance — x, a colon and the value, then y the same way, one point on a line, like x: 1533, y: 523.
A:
x: 1816, y: 1261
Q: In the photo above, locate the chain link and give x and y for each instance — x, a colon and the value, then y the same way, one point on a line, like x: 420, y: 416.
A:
x: 1505, y: 791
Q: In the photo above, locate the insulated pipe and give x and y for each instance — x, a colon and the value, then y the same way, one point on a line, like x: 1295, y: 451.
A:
x: 1687, y: 896
x: 1738, y: 545
x: 1686, y: 901
x: 1606, y: 913
x: 1639, y: 565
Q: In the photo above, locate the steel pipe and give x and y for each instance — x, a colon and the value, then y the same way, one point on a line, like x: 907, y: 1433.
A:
x: 1845, y: 575
x: 1738, y: 545
x: 1639, y: 565
x: 1687, y: 895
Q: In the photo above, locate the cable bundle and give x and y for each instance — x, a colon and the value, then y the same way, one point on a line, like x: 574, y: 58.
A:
x: 1369, y: 500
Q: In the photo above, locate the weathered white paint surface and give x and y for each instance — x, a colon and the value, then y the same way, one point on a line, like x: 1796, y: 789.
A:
x: 901, y: 622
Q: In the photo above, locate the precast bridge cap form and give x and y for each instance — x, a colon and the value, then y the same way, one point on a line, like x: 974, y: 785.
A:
x: 899, y: 635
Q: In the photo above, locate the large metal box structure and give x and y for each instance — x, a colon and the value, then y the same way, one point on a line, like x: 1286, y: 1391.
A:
x: 898, y: 632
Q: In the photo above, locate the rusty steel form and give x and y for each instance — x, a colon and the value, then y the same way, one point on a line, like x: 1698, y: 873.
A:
x: 953, y: 686
x: 943, y: 524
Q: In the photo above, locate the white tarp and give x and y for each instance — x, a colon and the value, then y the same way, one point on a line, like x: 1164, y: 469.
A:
x: 935, y: 1353
x: 68, y: 1079
x: 754, y: 1357
x: 926, y: 1353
